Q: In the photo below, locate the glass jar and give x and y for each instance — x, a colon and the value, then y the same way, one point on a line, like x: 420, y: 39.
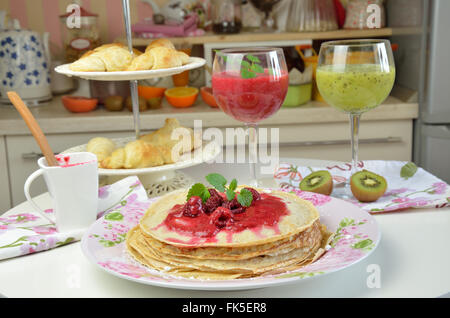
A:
x: 360, y: 16
x: 311, y: 15
x: 226, y: 16
x: 78, y: 40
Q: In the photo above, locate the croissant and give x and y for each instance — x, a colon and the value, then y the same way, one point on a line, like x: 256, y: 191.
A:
x: 115, y: 161
x: 173, y: 140
x: 158, y: 43
x: 136, y: 154
x: 159, y: 54
x: 141, y: 63
x: 163, y: 146
x: 139, y: 154
x: 101, y: 147
x: 88, y: 62
x: 108, y: 57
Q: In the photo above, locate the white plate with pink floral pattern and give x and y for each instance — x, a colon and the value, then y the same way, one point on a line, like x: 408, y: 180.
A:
x: 357, y: 236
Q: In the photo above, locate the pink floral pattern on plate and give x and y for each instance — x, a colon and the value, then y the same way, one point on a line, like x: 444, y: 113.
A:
x: 356, y: 237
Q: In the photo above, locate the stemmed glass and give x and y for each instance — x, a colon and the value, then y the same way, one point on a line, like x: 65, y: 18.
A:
x: 355, y: 76
x: 250, y: 84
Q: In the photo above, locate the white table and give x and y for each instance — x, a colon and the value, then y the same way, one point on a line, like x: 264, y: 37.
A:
x: 413, y: 257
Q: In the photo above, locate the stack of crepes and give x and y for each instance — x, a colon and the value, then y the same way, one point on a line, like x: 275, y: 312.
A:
x: 256, y: 242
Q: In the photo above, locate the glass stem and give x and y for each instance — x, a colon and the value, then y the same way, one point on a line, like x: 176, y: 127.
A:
x: 354, y: 131
x: 253, y: 152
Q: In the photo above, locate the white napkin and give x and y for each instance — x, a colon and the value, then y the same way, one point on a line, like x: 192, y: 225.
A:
x: 28, y: 232
x: 409, y: 186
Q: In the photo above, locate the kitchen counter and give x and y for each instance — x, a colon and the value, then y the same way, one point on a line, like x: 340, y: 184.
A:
x: 54, y: 118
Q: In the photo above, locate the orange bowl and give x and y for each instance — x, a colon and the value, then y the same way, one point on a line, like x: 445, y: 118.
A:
x: 150, y: 91
x: 79, y: 104
x: 208, y: 97
x: 181, y: 96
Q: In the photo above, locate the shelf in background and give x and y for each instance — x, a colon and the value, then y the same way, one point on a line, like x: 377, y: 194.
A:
x: 282, y: 36
x: 54, y: 118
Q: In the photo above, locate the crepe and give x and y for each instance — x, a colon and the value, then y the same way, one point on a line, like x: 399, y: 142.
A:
x: 298, y: 238
x: 302, y: 215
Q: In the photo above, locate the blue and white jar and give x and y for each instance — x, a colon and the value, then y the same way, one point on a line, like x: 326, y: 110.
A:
x: 25, y: 65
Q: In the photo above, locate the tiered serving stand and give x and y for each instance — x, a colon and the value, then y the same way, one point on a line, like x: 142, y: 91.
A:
x: 161, y: 179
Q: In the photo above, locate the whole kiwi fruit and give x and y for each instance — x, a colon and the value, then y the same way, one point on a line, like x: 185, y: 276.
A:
x: 142, y: 104
x: 367, y: 186
x: 114, y: 103
x: 318, y: 182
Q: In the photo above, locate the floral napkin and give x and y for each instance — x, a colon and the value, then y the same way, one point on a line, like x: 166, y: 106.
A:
x: 408, y: 185
x: 29, y: 232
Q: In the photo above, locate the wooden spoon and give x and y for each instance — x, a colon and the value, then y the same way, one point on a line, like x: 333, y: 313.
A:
x: 34, y: 128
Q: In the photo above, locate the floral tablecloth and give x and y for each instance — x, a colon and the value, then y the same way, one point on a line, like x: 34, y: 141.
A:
x: 409, y: 186
x: 25, y: 233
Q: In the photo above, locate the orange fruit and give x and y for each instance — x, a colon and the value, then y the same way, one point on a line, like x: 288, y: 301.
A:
x: 181, y: 96
x: 79, y: 104
x: 150, y: 91
x: 208, y: 97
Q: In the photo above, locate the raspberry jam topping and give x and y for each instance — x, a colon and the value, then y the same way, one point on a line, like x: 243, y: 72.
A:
x: 231, y: 216
x: 193, y: 207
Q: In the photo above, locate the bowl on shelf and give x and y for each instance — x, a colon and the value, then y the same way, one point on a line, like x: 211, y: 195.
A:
x: 298, y: 95
x: 181, y: 97
x: 150, y: 91
x: 79, y: 104
x: 208, y: 97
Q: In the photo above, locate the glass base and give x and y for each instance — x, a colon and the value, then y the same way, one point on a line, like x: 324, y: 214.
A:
x: 343, y: 192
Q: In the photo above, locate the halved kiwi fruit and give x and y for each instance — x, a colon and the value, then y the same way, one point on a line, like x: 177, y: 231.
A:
x: 367, y: 186
x: 318, y: 182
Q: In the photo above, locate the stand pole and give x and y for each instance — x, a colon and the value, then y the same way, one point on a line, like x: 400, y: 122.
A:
x: 133, y: 84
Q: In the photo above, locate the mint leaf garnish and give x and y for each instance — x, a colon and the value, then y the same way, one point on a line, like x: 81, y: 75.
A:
x: 257, y: 68
x: 245, y: 197
x: 247, y: 74
x: 199, y: 190
x: 245, y: 64
x: 233, y: 185
x: 250, y: 69
x: 253, y: 59
x: 217, y: 181
x: 408, y: 170
x: 230, y: 194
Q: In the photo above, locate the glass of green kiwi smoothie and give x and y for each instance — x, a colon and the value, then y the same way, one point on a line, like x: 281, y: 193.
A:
x: 355, y: 76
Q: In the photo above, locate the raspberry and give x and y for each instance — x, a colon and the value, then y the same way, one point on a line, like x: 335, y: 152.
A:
x: 233, y: 204
x: 213, y: 202
x: 193, y: 207
x: 238, y: 210
x: 221, y: 217
x: 214, y: 193
x: 255, y: 194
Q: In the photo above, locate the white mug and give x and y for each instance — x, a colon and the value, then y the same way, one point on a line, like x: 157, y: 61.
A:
x: 73, y: 185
